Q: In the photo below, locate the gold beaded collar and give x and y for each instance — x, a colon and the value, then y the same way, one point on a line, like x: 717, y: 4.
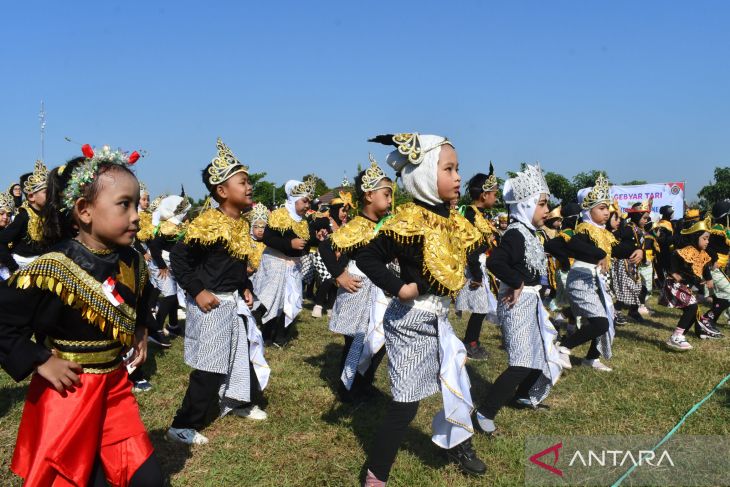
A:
x: 603, y: 238
x: 281, y: 221
x: 355, y: 233
x: 212, y: 226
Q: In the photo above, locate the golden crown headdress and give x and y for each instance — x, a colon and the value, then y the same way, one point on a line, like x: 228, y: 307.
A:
x: 305, y: 189
x: 7, y: 203
x: 344, y: 199
x: 614, y: 207
x: 224, y: 165
x: 599, y: 193
x: 259, y: 213
x: 643, y: 207
x: 555, y: 213
x: 692, y: 214
x: 143, y: 189
x: 37, y: 180
x: 156, y: 202
x: 700, y: 226
x: 492, y: 183
x: 373, y: 175
x: 184, y: 205
x: 408, y: 145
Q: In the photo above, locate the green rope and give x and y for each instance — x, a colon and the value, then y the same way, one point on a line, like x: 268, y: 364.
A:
x: 675, y: 428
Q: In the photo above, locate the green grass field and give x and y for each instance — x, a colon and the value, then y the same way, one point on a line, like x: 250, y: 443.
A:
x: 312, y: 439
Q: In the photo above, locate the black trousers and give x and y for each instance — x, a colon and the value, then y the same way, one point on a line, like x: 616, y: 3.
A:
x: 389, y: 437
x: 167, y: 309
x: 689, y: 317
x: 369, y: 377
x: 513, y: 382
x: 149, y: 474
x: 588, y: 332
x: 275, y: 329
x: 326, y: 294
x: 474, y: 328
x: 719, y: 305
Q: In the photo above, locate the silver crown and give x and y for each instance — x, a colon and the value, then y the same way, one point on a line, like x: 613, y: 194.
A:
x: 259, y: 213
x: 525, y: 184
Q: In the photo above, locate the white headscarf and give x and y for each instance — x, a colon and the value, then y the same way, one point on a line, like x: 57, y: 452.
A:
x: 420, y: 180
x: 291, y: 199
x: 530, y: 182
x: 523, y: 211
x: 585, y: 215
x: 166, y: 211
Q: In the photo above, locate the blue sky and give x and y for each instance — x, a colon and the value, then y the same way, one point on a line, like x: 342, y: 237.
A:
x: 637, y: 88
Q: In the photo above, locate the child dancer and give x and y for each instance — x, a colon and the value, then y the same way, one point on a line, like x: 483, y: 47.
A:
x: 168, y: 222
x: 690, y: 267
x: 476, y: 295
x: 519, y: 262
x: 222, y: 343
x: 718, y: 248
x: 624, y: 271
x: 359, y: 307
x: 258, y: 218
x: 278, y: 281
x: 592, y: 247
x: 431, y: 244
x: 7, y: 209
x: 20, y: 242
x: 81, y: 424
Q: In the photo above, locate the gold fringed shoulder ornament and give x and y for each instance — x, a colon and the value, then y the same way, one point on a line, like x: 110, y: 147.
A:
x: 698, y: 259
x: 212, y: 226
x: 35, y: 223
x: 603, y: 238
x: 354, y: 234
x: 281, y: 221
x: 57, y: 273
x: 257, y: 250
x: 482, y: 224
x: 446, y: 243
x: 146, y: 229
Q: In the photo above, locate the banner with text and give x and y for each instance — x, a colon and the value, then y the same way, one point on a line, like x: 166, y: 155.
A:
x: 663, y: 193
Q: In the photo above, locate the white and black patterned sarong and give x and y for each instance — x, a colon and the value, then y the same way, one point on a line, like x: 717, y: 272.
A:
x: 425, y: 356
x: 625, y: 282
x: 589, y: 299
x: 529, y: 339
x: 320, y: 269
x: 308, y: 270
x: 479, y: 300
x: 278, y: 285
x: 224, y: 341
x: 361, y: 313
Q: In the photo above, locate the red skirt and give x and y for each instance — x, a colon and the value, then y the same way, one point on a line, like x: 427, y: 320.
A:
x: 676, y: 295
x: 60, y: 438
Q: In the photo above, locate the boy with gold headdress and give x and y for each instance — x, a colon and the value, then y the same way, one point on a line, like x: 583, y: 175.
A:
x: 21, y: 241
x: 476, y: 296
x: 222, y: 343
x: 358, y: 310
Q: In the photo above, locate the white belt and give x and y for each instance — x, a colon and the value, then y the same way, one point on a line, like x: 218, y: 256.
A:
x: 584, y: 265
x: 438, y: 305
x: 353, y: 269
x: 503, y: 288
x: 280, y: 255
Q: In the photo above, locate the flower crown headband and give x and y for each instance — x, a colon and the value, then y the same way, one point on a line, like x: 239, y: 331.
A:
x: 86, y: 172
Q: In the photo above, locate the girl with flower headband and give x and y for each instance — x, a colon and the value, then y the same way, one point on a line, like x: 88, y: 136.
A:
x: 476, y: 295
x: 278, y: 281
x: 222, y: 343
x: 359, y: 307
x: 519, y: 262
x: 89, y: 297
x: 21, y: 241
x: 691, y: 268
x: 431, y: 243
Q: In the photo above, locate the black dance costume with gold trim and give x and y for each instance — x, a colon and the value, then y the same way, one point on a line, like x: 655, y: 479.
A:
x: 23, y: 237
